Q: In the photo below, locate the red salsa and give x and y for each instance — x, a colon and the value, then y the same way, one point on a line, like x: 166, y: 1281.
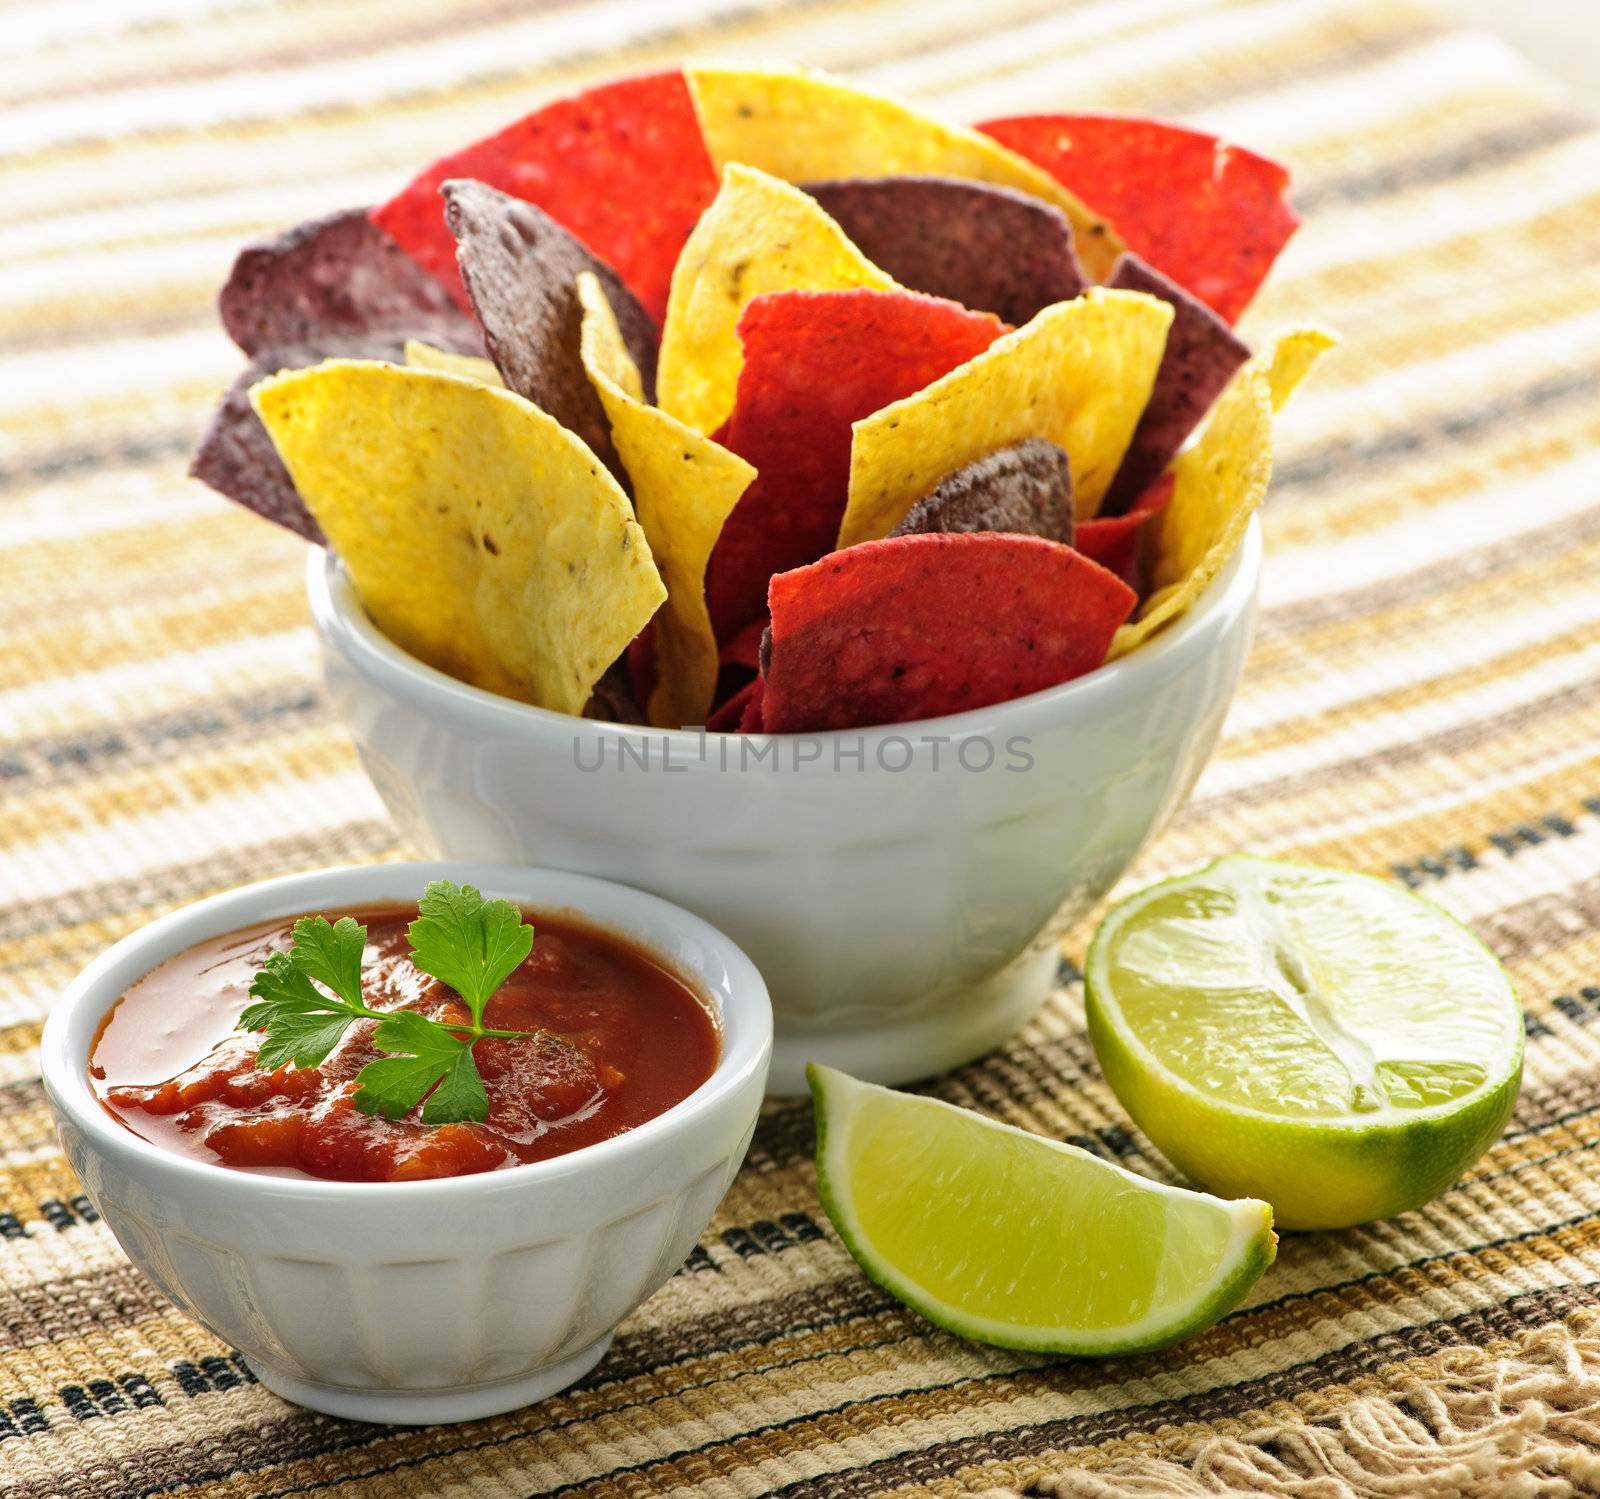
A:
x: 623, y: 1039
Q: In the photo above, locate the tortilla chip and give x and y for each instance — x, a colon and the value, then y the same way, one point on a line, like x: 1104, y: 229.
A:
x: 738, y: 660
x: 814, y: 363
x: 237, y: 459
x: 684, y: 486
x: 753, y: 719
x: 1113, y: 540
x: 423, y: 356
x: 806, y: 126
x: 1208, y: 214
x: 1218, y: 483
x: 480, y: 534
x: 336, y: 277
x: 1293, y: 355
x: 1079, y: 375
x: 761, y: 235
x: 730, y: 714
x: 919, y: 626
x: 643, y: 674
x: 987, y: 247
x: 520, y: 268
x: 1025, y: 489
x: 336, y: 287
x: 235, y: 455
x: 622, y: 166
x: 613, y: 699
x: 743, y: 648
x: 1201, y: 356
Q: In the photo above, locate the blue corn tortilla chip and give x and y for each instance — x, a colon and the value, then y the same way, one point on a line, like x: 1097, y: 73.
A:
x: 520, y: 269
x: 236, y: 456
x: 613, y: 700
x: 1025, y: 489
x: 334, y: 287
x: 336, y: 277
x: 990, y: 248
x: 237, y: 459
x: 1201, y: 356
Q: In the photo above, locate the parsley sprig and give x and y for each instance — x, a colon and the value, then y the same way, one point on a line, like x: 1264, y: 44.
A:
x: 306, y: 998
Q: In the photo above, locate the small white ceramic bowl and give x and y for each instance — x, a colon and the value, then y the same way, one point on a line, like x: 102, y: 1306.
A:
x: 420, y: 1301
x: 902, y: 889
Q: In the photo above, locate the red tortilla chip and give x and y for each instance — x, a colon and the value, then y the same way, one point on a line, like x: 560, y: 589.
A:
x: 738, y: 662
x: 643, y: 672
x: 753, y: 720
x: 622, y: 166
x: 1113, y: 540
x: 744, y: 648
x: 814, y: 362
x: 728, y: 717
x: 914, y: 627
x: 1209, y: 214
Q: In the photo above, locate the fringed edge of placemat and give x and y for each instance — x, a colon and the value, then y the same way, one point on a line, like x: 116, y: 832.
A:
x: 1522, y: 1424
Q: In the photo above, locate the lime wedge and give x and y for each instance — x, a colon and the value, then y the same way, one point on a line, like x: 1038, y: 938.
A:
x: 1013, y: 1239
x: 1325, y: 1040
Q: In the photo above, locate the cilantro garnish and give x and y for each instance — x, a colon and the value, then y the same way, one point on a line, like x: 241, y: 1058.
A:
x: 306, y: 998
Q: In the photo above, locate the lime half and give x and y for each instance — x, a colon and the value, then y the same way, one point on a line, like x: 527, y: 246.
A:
x: 1013, y: 1239
x: 1322, y: 1039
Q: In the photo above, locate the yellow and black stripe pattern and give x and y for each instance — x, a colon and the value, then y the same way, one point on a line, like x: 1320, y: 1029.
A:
x: 1423, y: 701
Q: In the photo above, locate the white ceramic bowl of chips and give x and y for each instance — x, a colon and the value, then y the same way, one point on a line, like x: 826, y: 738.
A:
x: 903, y: 890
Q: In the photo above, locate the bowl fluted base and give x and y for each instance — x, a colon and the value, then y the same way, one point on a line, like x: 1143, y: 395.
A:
x: 426, y: 1407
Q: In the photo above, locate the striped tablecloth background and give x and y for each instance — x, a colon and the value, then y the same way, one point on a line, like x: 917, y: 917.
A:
x: 1423, y: 701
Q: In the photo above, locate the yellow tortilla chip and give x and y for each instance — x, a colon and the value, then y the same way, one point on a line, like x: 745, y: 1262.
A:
x: 1079, y: 374
x: 759, y: 235
x: 684, y: 486
x: 1218, y: 483
x: 1292, y: 356
x: 603, y: 349
x: 422, y: 356
x: 805, y: 126
x: 480, y: 534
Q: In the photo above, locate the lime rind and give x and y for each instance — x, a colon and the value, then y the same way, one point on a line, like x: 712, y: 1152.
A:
x: 1250, y: 1247
x: 1319, y: 1171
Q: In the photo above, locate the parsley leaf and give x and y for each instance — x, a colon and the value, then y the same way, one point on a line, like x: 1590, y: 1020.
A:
x: 302, y: 1023
x: 460, y: 1094
x: 331, y: 954
x: 469, y: 943
x: 306, y: 998
x: 424, y: 1053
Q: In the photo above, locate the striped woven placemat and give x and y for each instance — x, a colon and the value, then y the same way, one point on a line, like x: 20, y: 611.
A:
x: 1423, y: 701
